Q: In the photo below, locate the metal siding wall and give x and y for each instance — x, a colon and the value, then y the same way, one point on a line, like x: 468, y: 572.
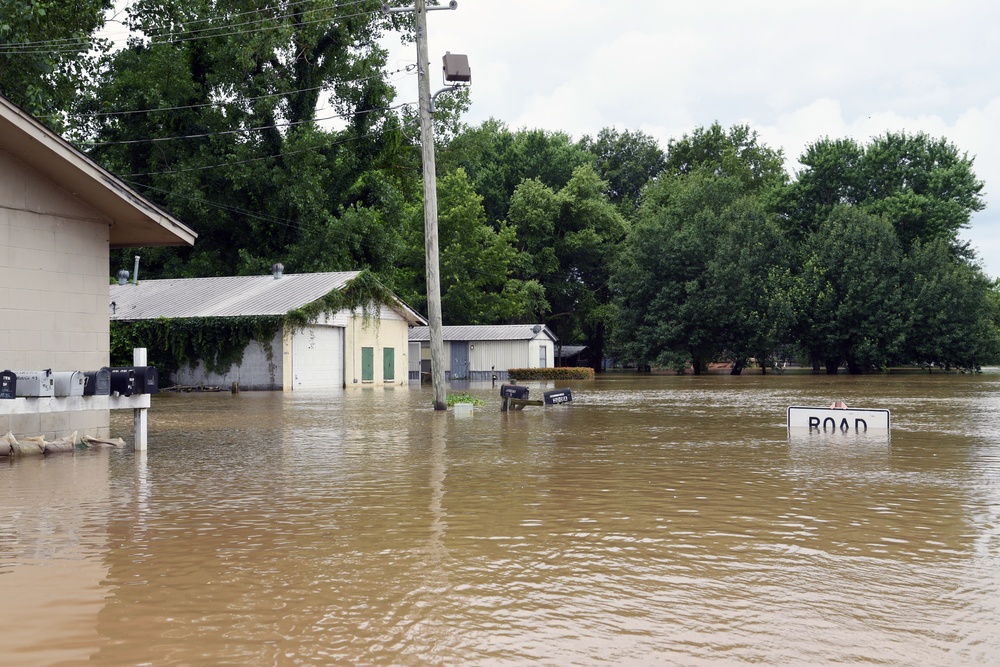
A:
x: 502, y: 354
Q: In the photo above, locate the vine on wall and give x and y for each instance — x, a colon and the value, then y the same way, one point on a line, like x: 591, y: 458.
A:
x: 173, y: 343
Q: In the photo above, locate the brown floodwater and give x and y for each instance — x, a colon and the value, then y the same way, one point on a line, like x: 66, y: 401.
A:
x: 652, y: 521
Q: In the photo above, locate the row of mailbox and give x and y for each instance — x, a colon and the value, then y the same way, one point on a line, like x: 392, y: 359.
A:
x: 125, y: 381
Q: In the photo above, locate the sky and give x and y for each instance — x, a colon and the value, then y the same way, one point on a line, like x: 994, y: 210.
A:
x: 794, y: 71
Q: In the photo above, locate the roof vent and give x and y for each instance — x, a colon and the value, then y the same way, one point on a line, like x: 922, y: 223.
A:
x: 276, y: 269
x: 537, y: 328
x: 123, y: 277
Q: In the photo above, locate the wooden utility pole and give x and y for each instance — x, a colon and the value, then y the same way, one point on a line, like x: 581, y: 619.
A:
x: 430, y: 211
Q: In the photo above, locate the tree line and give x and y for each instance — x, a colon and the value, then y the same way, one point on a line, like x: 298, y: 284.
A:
x: 277, y: 131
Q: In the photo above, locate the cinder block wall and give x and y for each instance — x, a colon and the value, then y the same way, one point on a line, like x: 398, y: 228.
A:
x: 53, y: 290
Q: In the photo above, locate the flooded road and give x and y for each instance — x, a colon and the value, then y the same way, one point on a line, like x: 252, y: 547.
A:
x: 653, y: 521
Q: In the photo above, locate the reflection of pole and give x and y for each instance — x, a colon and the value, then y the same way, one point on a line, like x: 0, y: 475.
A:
x: 430, y: 211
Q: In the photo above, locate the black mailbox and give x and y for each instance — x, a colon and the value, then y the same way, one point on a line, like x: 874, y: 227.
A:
x: 8, y: 384
x: 147, y: 380
x: 513, y: 391
x: 97, y: 383
x: 557, y: 396
x: 123, y: 380
x: 144, y: 380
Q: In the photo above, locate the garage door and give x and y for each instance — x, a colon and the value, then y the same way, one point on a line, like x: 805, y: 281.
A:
x: 318, y: 358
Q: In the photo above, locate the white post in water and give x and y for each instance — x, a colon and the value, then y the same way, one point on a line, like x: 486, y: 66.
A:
x: 140, y: 416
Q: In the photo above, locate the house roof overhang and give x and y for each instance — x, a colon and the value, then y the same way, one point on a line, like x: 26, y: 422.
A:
x: 134, y: 220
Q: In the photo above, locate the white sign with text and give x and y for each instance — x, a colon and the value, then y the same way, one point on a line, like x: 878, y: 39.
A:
x: 854, y: 420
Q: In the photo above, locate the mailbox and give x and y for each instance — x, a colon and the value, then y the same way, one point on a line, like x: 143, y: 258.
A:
x: 145, y: 380
x: 69, y: 383
x: 97, y: 383
x: 513, y: 391
x: 8, y: 384
x: 557, y: 396
x: 123, y: 380
x: 35, y: 384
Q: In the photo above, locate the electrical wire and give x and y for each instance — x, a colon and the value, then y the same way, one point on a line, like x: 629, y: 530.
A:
x: 203, y: 135
x: 261, y: 158
x: 127, y: 112
x: 77, y: 46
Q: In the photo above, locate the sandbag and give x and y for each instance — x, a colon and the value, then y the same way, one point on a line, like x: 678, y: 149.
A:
x: 27, y: 448
x: 51, y: 447
x: 5, y: 448
x: 102, y: 442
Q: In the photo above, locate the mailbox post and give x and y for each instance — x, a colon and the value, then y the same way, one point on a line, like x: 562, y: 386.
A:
x: 140, y: 415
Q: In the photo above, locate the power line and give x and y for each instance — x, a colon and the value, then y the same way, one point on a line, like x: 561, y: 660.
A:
x: 74, y: 46
x: 98, y: 114
x: 249, y: 160
x: 203, y: 135
x: 209, y: 202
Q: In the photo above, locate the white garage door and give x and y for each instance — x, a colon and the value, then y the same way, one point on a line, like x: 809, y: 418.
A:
x: 318, y: 358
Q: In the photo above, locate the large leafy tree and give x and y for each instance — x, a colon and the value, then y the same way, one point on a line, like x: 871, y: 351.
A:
x: 925, y: 187
x: 477, y: 262
x: 736, y: 153
x: 47, y: 52
x: 211, y: 109
x: 497, y: 160
x: 572, y: 236
x: 951, y: 310
x: 627, y: 161
x: 847, y: 295
x: 701, y: 276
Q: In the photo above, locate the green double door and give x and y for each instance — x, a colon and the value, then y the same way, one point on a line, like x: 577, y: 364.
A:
x: 368, y: 364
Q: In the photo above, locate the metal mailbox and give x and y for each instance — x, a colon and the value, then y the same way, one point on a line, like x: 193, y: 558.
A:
x: 8, y: 384
x: 35, y: 384
x: 69, y: 383
x: 123, y: 380
x: 557, y: 396
x: 145, y: 379
x: 513, y: 391
x: 97, y: 383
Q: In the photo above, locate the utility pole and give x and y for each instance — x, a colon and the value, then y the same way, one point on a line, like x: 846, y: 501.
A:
x: 431, y: 251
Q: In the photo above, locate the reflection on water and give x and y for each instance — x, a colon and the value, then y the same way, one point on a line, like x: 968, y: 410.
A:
x: 655, y: 520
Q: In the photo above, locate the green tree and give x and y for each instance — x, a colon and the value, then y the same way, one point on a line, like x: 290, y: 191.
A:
x: 736, y: 153
x: 498, y: 160
x: 951, y: 307
x: 211, y: 110
x: 627, y: 161
x: 46, y: 52
x: 476, y: 262
x: 700, y: 276
x: 847, y: 296
x: 572, y: 238
x: 923, y: 186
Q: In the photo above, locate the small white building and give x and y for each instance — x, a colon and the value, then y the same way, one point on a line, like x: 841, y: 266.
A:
x: 480, y: 351
x: 334, y: 350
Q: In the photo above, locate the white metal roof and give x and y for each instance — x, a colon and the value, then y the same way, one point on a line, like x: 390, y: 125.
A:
x: 230, y: 296
x: 485, y: 332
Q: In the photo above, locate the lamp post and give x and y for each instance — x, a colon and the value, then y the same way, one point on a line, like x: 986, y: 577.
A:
x: 459, y: 73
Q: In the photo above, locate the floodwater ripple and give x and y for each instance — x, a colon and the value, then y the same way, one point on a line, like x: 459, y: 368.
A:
x: 654, y: 520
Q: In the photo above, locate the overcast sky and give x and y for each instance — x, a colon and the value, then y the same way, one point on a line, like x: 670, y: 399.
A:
x: 794, y: 70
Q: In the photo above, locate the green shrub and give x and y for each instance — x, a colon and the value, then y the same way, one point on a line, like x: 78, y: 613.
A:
x: 539, y: 374
x: 464, y: 398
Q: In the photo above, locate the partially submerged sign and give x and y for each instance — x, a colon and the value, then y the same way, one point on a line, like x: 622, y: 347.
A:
x: 827, y: 420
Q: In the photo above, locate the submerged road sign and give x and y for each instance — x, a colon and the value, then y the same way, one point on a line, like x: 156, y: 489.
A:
x: 855, y: 420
